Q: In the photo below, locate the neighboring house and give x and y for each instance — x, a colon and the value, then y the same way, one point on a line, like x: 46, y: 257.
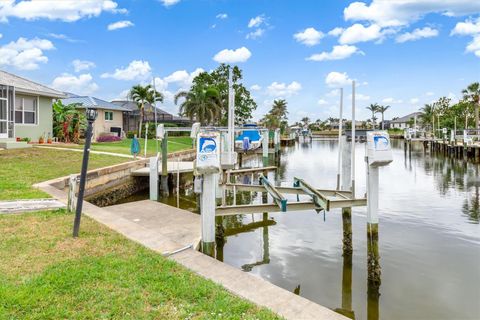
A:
x: 25, y: 110
x: 387, y: 124
x: 132, y: 118
x: 110, y: 116
x: 406, y: 121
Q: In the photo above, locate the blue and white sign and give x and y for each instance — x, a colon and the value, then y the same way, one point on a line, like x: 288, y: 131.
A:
x: 379, y: 150
x: 208, y: 152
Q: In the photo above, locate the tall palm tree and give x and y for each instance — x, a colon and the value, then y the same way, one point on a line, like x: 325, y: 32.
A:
x: 279, y: 109
x: 427, y: 116
x: 374, y: 108
x: 203, y: 104
x: 382, y: 110
x: 472, y: 95
x: 143, y: 95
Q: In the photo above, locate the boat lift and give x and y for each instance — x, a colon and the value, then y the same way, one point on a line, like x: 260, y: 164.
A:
x: 321, y: 199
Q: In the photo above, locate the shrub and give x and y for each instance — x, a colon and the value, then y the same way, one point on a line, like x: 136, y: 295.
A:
x: 108, y: 139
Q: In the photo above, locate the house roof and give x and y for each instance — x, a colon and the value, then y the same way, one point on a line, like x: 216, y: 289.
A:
x: 92, y: 102
x: 132, y: 106
x: 406, y: 118
x: 23, y: 85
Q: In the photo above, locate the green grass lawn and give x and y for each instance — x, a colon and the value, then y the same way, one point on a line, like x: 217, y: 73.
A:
x: 21, y: 168
x: 46, y: 274
x: 123, y: 147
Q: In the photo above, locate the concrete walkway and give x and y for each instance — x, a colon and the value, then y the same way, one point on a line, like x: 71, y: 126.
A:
x: 18, y: 206
x: 172, y: 232
x: 91, y: 151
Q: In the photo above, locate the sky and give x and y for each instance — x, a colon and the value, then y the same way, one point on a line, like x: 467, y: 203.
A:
x: 402, y: 53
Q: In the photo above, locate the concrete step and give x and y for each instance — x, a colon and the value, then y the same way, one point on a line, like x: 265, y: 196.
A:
x: 12, y: 144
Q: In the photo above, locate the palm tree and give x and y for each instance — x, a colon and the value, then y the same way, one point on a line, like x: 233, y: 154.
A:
x: 306, y: 121
x: 142, y: 95
x: 279, y: 109
x: 382, y: 110
x: 427, y: 116
x: 203, y: 104
x: 472, y: 95
x: 374, y: 108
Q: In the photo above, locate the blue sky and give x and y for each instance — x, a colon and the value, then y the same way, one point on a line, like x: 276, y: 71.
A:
x: 403, y: 53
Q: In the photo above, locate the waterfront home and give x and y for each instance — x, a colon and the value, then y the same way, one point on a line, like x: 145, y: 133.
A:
x: 110, y: 116
x: 132, y: 117
x: 25, y: 110
x: 406, y: 121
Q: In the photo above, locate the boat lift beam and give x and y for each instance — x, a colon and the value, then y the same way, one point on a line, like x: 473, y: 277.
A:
x: 320, y: 199
x: 276, y: 195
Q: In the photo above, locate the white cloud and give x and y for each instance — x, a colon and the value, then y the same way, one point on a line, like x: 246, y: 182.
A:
x: 1, y: 35
x: 61, y: 36
x: 414, y: 101
x: 182, y: 78
x: 136, y: 70
x: 391, y: 100
x: 309, y: 36
x: 82, y: 85
x: 359, y: 33
x: 82, y: 65
x: 417, y: 34
x: 429, y: 93
x: 466, y: 28
x: 255, y: 34
x: 337, y: 79
x: 403, y: 12
x: 233, y: 56
x: 120, y: 25
x: 222, y: 16
x: 283, y: 90
x: 337, y: 53
x: 65, y: 10
x: 168, y: 3
x: 255, y: 87
x: 322, y: 102
x: 25, y: 54
x: 474, y: 46
x: 335, y: 32
x: 257, y: 21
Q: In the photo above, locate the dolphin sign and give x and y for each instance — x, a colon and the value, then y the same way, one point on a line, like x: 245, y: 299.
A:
x: 381, y: 143
x: 207, y: 145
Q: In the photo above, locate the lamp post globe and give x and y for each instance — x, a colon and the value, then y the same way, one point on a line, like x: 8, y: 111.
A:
x: 91, y: 115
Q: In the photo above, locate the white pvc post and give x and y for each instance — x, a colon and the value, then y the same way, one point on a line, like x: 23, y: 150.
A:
x: 146, y: 138
x: 154, y: 178
x: 372, y: 194
x: 265, y: 147
x: 72, y: 193
x: 346, y: 166
x: 353, y: 140
x: 231, y: 118
x: 340, y: 149
x: 207, y: 203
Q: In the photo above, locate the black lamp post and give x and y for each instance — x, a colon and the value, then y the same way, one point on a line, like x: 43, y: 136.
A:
x: 91, y: 114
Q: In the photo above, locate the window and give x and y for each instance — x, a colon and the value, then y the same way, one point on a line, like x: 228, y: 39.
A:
x: 109, y: 115
x: 26, y: 110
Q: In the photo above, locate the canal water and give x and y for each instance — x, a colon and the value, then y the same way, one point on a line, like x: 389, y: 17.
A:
x: 429, y: 236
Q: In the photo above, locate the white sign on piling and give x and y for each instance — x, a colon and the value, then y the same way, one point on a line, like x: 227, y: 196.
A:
x: 378, y: 153
x: 208, y: 164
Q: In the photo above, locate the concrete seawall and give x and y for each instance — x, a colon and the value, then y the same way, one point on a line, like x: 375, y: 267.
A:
x: 175, y: 233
